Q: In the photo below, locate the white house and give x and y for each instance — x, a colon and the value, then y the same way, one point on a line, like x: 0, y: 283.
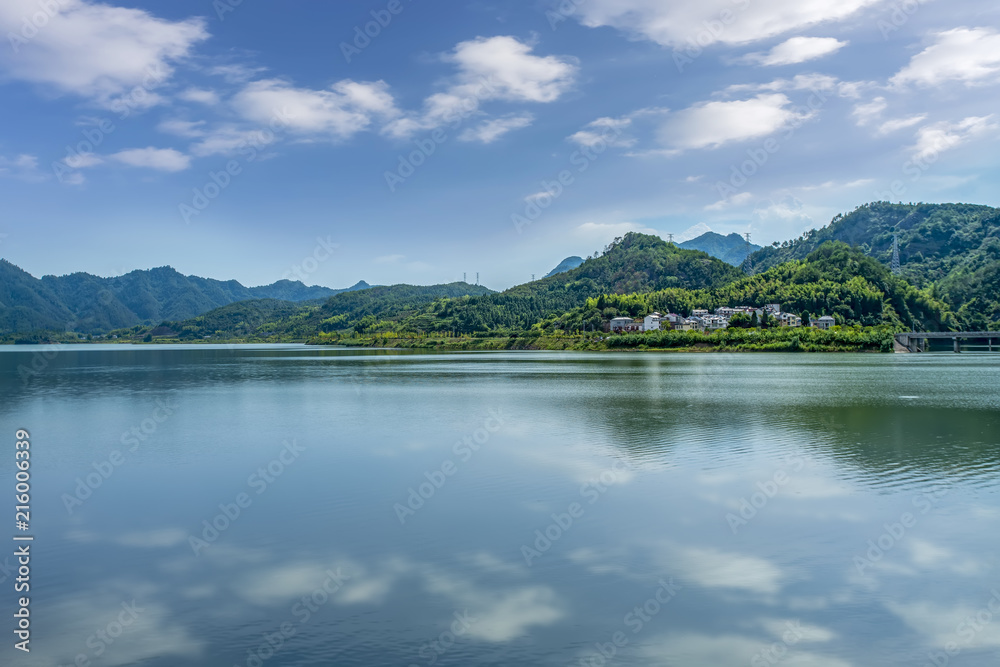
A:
x: 824, y: 322
x: 652, y: 322
x: 621, y: 324
x: 715, y: 323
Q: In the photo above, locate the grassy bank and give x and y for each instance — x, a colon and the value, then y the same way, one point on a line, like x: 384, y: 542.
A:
x: 838, y: 339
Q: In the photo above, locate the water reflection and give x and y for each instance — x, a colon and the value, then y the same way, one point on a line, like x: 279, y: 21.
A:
x: 684, y: 509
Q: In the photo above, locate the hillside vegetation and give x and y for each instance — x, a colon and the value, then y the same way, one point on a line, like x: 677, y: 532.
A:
x: 833, y: 280
x: 953, y: 250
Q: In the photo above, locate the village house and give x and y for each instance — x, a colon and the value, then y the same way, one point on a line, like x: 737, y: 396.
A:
x: 652, y: 322
x: 789, y: 320
x: 824, y: 322
x: 701, y: 320
x: 625, y: 325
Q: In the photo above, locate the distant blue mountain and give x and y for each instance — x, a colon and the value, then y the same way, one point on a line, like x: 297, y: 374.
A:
x: 731, y: 249
x: 567, y: 264
x: 87, y: 303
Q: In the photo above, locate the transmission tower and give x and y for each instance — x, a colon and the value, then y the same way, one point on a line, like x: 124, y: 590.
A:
x: 670, y: 238
x: 895, y: 253
x: 748, y: 262
x: 463, y: 277
x: 477, y: 277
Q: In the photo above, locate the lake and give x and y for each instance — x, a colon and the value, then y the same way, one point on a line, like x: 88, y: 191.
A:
x: 290, y: 505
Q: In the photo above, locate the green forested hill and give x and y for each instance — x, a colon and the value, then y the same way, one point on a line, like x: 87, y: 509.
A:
x: 90, y: 304
x: 633, y: 263
x: 355, y: 310
x: 951, y: 249
x: 833, y: 280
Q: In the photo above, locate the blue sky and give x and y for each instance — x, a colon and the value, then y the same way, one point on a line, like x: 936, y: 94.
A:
x: 258, y: 141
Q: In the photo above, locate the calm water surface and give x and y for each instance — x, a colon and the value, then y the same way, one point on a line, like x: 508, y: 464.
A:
x: 379, y: 508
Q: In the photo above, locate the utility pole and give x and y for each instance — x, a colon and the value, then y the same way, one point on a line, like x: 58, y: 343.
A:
x: 748, y: 262
x: 895, y: 253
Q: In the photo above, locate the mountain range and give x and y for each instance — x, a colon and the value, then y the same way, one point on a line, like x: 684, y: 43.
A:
x: 91, y: 304
x: 731, y: 249
x: 949, y: 255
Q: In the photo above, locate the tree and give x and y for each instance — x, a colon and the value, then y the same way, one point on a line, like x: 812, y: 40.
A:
x: 739, y: 321
x: 806, y: 321
x: 753, y: 320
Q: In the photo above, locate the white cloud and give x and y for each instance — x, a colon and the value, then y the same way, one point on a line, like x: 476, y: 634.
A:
x: 341, y: 112
x: 182, y: 128
x: 711, y: 568
x: 389, y: 259
x: 796, y: 50
x: 235, y: 73
x: 154, y: 539
x: 736, y: 200
x: 200, y: 95
x: 817, y: 83
x: 683, y: 24
x: 722, y: 649
x: 608, y: 131
x: 95, y: 50
x: 602, y: 233
x: 82, y: 160
x: 971, y: 56
x: 495, y: 68
x: 869, y: 111
x: 785, y: 213
x: 938, y: 137
x: 939, y: 624
x: 894, y: 124
x: 24, y: 167
x: 489, y: 131
x: 511, y: 68
x: 692, y: 232
x: 161, y: 159
x: 226, y: 140
x: 712, y: 124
